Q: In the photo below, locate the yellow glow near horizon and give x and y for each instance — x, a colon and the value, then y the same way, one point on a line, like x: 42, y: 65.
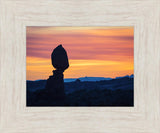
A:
x: 42, y: 68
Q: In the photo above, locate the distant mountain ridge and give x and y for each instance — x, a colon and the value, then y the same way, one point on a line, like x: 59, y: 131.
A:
x: 127, y: 76
x: 86, y: 79
x: 91, y: 78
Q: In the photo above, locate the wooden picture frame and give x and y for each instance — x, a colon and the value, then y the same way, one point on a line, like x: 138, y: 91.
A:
x: 15, y: 117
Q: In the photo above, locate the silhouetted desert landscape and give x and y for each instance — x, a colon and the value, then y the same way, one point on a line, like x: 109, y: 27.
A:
x: 110, y: 92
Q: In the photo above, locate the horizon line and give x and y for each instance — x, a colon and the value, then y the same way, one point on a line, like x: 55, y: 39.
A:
x: 84, y: 77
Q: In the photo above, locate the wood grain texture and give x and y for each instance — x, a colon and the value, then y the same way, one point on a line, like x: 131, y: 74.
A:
x: 15, y: 15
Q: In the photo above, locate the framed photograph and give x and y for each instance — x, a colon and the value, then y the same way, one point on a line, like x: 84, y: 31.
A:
x: 93, y: 67
x: 79, y: 67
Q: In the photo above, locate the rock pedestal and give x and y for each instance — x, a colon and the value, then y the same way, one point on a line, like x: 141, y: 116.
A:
x: 55, y: 83
x: 55, y: 86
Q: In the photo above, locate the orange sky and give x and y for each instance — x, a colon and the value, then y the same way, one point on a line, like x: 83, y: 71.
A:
x: 92, y: 51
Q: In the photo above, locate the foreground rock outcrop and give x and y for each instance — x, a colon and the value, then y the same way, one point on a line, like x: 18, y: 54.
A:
x: 55, y: 83
x: 54, y: 93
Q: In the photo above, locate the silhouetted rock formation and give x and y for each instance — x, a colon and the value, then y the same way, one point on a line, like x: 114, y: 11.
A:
x: 59, y: 58
x: 55, y: 83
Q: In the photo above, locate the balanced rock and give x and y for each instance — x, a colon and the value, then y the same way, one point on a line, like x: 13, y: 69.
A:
x: 59, y: 58
x: 55, y: 83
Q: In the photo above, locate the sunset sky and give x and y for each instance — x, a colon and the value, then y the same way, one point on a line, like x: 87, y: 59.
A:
x: 92, y: 51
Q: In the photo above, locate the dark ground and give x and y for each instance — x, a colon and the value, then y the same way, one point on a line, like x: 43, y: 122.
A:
x: 115, y: 92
